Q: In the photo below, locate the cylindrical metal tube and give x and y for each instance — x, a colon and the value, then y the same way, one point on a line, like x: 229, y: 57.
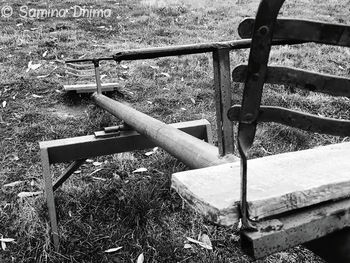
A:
x: 192, y: 151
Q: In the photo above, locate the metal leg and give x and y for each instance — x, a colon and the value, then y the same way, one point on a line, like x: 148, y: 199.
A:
x: 49, y: 196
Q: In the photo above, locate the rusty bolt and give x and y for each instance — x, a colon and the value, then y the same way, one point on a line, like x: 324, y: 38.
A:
x: 263, y: 30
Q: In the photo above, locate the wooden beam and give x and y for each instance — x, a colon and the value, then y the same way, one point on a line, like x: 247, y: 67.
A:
x: 223, y: 98
x: 90, y: 88
x: 333, y: 248
x: 68, y: 172
x: 70, y: 149
x: 300, y: 227
x: 276, y: 184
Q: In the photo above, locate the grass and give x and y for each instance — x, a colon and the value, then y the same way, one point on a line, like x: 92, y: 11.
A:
x: 135, y: 211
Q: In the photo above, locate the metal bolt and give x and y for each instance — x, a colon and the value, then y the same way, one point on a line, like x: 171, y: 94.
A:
x: 263, y: 30
x: 248, y: 118
x: 255, y: 76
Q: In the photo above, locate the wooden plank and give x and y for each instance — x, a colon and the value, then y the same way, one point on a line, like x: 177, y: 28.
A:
x: 276, y: 183
x: 223, y: 98
x: 50, y: 200
x: 91, y: 87
x: 70, y: 149
x: 298, y: 228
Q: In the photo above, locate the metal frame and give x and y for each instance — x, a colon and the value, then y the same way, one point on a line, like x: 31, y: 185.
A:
x: 78, y: 149
x: 266, y: 237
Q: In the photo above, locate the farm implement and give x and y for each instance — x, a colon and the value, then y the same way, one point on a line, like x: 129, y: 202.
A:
x: 292, y: 198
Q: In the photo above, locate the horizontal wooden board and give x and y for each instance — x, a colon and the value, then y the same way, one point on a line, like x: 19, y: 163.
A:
x: 89, y: 88
x: 276, y: 183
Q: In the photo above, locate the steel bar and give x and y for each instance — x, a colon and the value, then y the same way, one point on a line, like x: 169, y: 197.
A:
x: 300, y: 120
x: 312, y: 81
x: 157, y: 52
x: 256, y: 73
x: 304, y: 30
x: 297, y: 228
x: 193, y: 152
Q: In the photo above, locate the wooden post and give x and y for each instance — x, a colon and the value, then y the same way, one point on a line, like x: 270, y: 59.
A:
x: 49, y: 196
x: 223, y: 98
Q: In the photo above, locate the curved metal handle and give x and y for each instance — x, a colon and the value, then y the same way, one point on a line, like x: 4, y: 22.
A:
x: 256, y: 73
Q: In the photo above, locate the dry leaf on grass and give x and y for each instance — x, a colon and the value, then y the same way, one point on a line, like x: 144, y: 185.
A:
x: 111, y: 250
x: 140, y: 170
x: 4, y: 241
x: 97, y: 163
x: 32, y: 66
x: 13, y: 184
x: 140, y: 258
x: 201, y: 243
x: 187, y: 246
x: 29, y: 194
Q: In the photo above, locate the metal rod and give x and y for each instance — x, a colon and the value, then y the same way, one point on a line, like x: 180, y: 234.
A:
x: 193, y: 152
x: 157, y: 52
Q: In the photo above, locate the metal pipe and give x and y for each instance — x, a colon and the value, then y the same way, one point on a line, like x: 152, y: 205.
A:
x: 157, y: 52
x: 194, y: 152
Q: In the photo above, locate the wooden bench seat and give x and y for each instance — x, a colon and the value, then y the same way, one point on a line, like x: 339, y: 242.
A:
x: 276, y: 183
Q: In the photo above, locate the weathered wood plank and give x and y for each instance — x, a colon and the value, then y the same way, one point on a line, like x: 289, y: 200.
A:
x: 276, y: 183
x: 300, y: 227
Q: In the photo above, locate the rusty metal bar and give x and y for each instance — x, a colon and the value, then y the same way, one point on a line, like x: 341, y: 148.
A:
x: 157, y: 52
x: 304, y: 79
x: 305, y: 30
x: 300, y: 120
x: 193, y: 152
x: 223, y: 99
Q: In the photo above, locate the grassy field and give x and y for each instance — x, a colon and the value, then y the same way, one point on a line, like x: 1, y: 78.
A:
x: 137, y: 212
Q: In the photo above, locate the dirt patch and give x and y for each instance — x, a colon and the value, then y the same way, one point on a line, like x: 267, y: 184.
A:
x: 66, y: 112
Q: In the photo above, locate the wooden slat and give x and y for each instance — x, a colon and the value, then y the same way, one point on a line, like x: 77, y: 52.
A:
x: 304, y: 79
x: 304, y: 121
x: 276, y: 184
x: 305, y: 30
x: 223, y: 98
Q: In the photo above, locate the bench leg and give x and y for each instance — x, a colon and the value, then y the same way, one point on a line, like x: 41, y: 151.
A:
x: 49, y: 196
x: 333, y: 248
